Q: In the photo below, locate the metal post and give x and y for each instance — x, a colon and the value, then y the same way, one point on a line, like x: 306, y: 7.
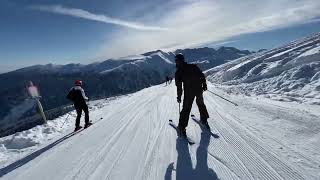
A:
x: 41, y: 111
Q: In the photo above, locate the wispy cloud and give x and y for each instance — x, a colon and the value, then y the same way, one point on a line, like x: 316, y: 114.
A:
x: 192, y: 23
x: 80, y: 13
x: 196, y: 23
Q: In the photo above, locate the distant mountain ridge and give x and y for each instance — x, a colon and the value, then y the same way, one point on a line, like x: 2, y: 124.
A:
x: 103, y: 79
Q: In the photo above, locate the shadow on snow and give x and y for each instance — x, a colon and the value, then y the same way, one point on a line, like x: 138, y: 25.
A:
x: 30, y: 157
x: 184, y: 169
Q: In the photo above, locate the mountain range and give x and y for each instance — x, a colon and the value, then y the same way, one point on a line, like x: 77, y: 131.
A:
x: 101, y: 79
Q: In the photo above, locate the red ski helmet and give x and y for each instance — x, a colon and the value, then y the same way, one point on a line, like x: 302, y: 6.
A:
x: 78, y: 83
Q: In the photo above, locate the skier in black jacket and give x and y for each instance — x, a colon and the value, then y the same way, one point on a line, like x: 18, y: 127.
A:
x: 194, y: 83
x: 79, y: 98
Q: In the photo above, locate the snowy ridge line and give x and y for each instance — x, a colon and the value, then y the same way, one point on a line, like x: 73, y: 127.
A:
x: 299, y: 41
x: 287, y: 73
x: 283, y: 68
x: 294, y: 43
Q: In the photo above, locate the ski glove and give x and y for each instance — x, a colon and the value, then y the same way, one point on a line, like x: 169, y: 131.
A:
x: 179, y: 99
x: 204, y: 87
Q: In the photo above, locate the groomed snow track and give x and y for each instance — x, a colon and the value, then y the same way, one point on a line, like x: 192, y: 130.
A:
x: 134, y: 141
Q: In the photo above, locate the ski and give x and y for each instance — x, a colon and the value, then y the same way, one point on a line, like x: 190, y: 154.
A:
x: 203, y: 128
x: 90, y: 124
x: 172, y: 124
x: 77, y: 131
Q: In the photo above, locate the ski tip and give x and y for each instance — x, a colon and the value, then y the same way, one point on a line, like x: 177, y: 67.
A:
x: 192, y: 115
x: 170, y: 120
x: 215, y: 136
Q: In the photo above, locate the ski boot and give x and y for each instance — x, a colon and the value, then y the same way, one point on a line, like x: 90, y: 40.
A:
x: 87, y: 124
x: 182, y: 132
x: 205, y: 124
x: 77, y: 128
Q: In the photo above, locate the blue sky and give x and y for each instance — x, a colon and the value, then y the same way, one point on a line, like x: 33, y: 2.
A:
x: 82, y: 31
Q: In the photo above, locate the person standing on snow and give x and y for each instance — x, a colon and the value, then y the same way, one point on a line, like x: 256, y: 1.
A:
x: 79, y: 98
x: 194, y: 83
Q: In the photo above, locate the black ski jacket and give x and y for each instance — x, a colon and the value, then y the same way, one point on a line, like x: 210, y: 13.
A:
x: 192, y: 78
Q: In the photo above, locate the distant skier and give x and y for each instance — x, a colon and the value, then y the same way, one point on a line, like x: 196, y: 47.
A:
x: 79, y: 98
x: 194, y: 83
x: 167, y: 80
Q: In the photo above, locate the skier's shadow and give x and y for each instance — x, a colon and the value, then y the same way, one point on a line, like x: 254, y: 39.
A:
x: 30, y: 157
x: 184, y: 169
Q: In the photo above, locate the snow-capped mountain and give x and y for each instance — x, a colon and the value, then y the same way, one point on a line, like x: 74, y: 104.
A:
x: 287, y: 73
x: 101, y: 79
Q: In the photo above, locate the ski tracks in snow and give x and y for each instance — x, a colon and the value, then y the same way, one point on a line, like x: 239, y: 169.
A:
x: 134, y: 141
x: 256, y: 156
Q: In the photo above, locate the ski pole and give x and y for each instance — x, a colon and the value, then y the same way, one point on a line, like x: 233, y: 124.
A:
x: 65, y: 120
x: 223, y: 98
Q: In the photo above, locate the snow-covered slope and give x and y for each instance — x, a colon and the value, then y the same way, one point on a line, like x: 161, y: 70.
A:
x: 101, y: 79
x: 131, y: 139
x: 288, y: 73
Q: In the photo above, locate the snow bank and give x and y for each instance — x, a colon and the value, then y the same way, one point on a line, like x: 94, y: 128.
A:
x: 20, y: 144
x: 288, y: 73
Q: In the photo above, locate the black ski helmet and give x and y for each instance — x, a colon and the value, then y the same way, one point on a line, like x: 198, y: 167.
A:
x: 179, y: 57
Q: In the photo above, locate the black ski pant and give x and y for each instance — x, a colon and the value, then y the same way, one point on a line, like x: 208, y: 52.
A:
x: 187, y: 105
x: 79, y: 108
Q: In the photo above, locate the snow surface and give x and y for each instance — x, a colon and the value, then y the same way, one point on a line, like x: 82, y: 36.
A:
x: 288, y: 73
x: 259, y: 139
